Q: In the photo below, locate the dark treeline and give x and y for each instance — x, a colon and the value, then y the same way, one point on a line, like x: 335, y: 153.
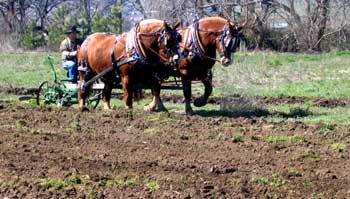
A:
x: 281, y: 25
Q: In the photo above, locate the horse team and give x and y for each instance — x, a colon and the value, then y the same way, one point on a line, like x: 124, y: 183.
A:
x: 153, y: 51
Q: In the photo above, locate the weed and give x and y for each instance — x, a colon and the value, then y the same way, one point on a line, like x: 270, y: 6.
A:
x: 274, y: 195
x: 325, y: 128
x: 237, y: 138
x: 152, y: 131
x: 20, y: 124
x: 74, y: 180
x: 75, y: 124
x: 260, y: 179
x: 118, y: 182
x: 277, y: 181
x: 311, y: 155
x: 341, y: 157
x: 257, y: 137
x: 153, y: 118
x: 294, y: 173
x: 276, y: 139
x: 92, y: 193
x: 307, y: 184
x: 152, y: 186
x: 338, y: 146
x: 318, y: 196
x: 53, y: 183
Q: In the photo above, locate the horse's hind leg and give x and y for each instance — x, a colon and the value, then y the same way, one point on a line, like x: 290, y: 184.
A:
x: 187, y: 90
x: 106, y: 95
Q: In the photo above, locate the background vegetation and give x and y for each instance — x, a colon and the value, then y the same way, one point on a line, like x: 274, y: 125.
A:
x: 282, y: 25
x: 264, y: 74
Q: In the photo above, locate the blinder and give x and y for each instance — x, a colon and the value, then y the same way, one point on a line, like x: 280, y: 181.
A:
x: 171, y: 46
x: 230, y: 40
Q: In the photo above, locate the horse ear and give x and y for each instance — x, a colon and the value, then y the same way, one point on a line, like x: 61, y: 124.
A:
x: 166, y: 26
x: 177, y: 25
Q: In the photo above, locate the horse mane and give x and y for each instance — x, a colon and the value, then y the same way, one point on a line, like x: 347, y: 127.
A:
x: 214, y: 18
x: 147, y: 21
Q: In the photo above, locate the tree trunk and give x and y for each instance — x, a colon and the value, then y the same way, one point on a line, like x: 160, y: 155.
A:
x: 324, y: 11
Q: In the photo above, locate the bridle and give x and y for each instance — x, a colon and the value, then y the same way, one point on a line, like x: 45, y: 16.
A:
x: 170, y: 45
x: 229, y: 44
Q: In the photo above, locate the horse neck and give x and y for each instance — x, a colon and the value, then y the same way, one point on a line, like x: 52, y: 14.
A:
x: 208, y: 43
x: 208, y: 39
x: 149, y: 42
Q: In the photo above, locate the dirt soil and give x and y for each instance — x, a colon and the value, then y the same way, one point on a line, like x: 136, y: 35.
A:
x: 61, y: 153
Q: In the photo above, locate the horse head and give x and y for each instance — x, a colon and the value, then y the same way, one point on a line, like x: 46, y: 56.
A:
x: 169, y: 42
x: 228, y: 42
x: 166, y: 38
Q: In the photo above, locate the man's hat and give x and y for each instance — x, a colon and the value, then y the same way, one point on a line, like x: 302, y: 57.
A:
x: 72, y: 29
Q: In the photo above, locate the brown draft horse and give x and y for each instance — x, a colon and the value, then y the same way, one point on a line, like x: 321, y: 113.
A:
x: 148, y: 50
x: 200, y: 42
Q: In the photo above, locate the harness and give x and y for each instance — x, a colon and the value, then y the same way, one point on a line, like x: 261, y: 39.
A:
x: 134, y: 51
x: 195, y: 46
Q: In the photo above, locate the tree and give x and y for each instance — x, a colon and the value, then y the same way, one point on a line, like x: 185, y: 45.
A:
x: 42, y: 8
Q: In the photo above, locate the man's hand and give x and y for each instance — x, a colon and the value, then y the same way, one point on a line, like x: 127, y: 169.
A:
x: 73, y: 53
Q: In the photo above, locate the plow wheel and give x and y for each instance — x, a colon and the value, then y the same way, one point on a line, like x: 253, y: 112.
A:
x: 48, y: 93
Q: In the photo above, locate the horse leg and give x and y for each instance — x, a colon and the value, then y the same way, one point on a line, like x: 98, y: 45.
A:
x: 127, y: 91
x: 107, y: 91
x: 208, y: 88
x: 186, y: 88
x: 156, y: 101
x: 83, y: 92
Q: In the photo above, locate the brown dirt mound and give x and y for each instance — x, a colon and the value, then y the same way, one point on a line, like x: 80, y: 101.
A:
x: 261, y: 100
x: 61, y: 153
x: 17, y: 90
x: 266, y: 100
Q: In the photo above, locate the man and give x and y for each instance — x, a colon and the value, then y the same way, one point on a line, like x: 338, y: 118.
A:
x: 68, y: 49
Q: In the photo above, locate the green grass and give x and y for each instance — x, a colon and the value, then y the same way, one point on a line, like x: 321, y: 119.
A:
x: 328, y: 116
x: 28, y: 69
x: 276, y: 74
x: 262, y: 73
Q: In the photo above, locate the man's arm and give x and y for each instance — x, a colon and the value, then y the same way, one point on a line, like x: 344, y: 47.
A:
x: 66, y: 54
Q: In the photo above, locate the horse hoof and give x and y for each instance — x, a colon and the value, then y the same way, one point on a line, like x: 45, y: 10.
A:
x: 190, y: 112
x: 84, y: 109
x: 148, y: 108
x: 199, y: 102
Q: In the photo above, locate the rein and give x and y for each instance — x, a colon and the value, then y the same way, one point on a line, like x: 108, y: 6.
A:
x: 199, y: 44
x: 155, y: 33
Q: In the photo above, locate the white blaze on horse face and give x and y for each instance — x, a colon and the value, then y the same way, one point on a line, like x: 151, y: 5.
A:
x: 175, y: 59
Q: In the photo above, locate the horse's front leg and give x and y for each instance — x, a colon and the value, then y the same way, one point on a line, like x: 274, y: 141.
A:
x: 186, y: 88
x: 156, y: 100
x: 208, y: 88
x: 127, y: 92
